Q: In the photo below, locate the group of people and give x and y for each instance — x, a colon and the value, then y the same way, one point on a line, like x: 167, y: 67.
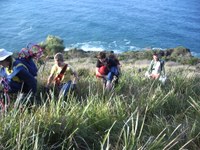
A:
x: 16, y: 77
x: 108, y: 68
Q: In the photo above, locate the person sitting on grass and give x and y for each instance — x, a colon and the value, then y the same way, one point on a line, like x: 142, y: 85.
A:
x: 114, y: 57
x: 16, y: 77
x: 60, y: 75
x: 106, y: 68
x: 156, y: 68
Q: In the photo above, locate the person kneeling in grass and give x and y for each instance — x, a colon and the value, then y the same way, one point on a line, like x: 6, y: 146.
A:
x: 17, y: 75
x: 114, y: 57
x: 61, y: 75
x: 107, y: 69
x: 17, y: 78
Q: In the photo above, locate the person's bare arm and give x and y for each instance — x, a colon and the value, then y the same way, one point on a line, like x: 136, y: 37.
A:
x: 75, y: 77
x: 50, y: 80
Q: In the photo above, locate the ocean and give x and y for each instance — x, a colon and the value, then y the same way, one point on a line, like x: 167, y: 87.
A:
x: 95, y: 25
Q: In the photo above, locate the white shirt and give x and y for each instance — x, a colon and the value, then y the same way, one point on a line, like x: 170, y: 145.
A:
x: 156, y: 69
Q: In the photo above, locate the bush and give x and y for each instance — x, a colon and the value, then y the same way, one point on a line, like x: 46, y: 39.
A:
x: 193, y: 61
x: 76, y: 53
x: 148, y: 54
x: 181, y: 51
x: 53, y: 45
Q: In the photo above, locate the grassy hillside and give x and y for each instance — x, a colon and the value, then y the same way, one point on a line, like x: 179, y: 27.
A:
x: 138, y: 114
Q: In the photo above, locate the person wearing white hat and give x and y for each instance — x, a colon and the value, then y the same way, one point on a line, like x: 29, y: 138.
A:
x: 4, y: 54
x: 18, y: 78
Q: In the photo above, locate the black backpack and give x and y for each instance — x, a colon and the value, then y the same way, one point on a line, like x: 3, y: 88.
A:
x: 162, y: 63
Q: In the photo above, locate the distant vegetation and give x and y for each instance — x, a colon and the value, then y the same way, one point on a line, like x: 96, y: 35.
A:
x: 54, y: 44
x: 179, y: 54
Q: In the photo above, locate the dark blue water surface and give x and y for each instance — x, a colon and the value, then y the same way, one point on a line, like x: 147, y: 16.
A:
x: 102, y: 24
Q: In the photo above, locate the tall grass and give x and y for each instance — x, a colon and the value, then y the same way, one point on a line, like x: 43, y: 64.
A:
x: 138, y: 114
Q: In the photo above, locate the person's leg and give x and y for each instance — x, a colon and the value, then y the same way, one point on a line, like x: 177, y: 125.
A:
x: 115, y: 80
x: 115, y: 72
x: 155, y: 76
x: 65, y: 88
x: 110, y: 76
x: 104, y: 81
x: 109, y: 81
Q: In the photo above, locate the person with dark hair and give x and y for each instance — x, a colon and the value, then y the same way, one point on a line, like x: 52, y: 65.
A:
x: 114, y: 57
x: 107, y: 69
x: 156, y: 68
x: 16, y: 75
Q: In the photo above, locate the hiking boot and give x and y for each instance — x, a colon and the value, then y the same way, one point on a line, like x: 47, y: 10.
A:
x: 104, y: 82
x: 115, y: 80
x: 109, y: 85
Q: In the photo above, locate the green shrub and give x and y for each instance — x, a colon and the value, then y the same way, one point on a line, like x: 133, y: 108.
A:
x: 180, y: 51
x: 193, y: 61
x: 148, y: 54
x: 53, y: 45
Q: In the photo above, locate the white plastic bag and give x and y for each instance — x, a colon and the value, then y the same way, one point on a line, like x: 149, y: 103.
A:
x: 147, y: 75
x: 163, y: 79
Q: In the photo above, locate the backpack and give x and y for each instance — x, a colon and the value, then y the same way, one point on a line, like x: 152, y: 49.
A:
x: 162, y: 63
x: 28, y: 63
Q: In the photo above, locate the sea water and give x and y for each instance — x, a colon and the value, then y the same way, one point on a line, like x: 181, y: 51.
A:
x: 96, y: 25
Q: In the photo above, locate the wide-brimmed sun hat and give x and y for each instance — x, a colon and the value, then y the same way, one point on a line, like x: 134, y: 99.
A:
x: 4, y: 54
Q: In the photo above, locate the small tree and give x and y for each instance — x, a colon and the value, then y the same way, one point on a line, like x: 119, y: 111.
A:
x: 53, y: 45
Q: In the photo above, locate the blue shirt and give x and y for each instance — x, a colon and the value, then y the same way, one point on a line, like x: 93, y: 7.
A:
x: 26, y: 81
